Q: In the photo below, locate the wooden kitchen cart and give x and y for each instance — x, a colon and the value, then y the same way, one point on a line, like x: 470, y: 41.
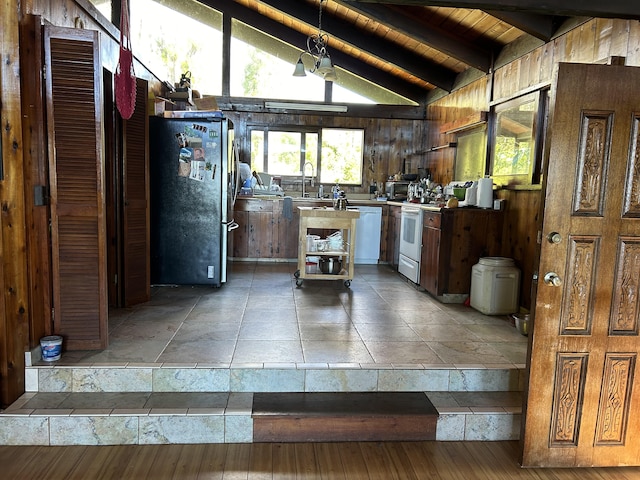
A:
x: 326, y: 218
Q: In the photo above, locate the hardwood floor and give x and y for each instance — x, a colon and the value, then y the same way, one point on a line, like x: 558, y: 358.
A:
x: 352, y: 461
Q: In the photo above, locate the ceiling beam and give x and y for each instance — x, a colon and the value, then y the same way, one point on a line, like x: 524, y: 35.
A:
x: 395, y: 54
x: 293, y: 37
x: 539, y: 26
x: 455, y: 46
x: 569, y: 8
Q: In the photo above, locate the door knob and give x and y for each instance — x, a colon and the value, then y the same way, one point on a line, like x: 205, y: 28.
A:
x: 554, y: 237
x: 552, y: 279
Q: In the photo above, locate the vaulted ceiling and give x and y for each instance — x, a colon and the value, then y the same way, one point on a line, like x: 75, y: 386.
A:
x: 413, y: 47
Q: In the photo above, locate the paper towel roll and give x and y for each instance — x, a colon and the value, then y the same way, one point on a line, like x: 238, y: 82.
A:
x: 485, y: 193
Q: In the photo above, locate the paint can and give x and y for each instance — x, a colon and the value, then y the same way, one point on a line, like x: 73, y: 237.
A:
x: 51, y: 348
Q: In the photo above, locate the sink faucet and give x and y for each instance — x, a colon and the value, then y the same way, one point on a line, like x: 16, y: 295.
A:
x: 304, y: 177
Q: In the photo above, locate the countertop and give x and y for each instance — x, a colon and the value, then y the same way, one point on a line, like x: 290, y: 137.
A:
x: 354, y: 202
x: 324, y: 201
x: 435, y: 208
x: 428, y: 207
x: 328, y: 212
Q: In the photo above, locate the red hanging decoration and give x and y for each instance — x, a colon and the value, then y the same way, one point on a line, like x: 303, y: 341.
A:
x: 125, y: 79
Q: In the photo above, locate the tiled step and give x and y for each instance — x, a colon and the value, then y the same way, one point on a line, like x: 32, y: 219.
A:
x: 332, y: 417
x: 202, y: 403
x: 222, y: 417
x: 159, y: 377
x: 127, y: 419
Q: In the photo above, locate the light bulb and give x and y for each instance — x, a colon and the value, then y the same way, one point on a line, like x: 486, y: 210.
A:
x: 299, y: 70
x: 325, y: 66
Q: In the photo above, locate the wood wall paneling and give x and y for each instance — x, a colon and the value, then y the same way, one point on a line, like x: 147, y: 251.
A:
x: 520, y: 235
x: 14, y: 296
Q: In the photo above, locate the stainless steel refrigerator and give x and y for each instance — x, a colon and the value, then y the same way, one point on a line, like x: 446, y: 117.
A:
x: 189, y: 204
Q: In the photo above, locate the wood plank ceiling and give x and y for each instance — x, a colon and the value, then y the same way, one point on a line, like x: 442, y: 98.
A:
x: 413, y: 47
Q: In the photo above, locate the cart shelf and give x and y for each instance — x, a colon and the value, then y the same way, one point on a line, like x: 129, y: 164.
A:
x: 327, y: 218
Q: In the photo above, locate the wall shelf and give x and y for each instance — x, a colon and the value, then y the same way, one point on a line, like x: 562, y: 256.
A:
x: 465, y: 123
x: 438, y: 147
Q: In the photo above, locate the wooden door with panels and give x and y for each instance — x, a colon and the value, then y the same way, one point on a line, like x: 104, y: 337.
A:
x: 73, y: 87
x: 581, y: 402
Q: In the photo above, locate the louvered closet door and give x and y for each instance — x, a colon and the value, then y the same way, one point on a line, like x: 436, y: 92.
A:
x: 136, y: 269
x: 74, y: 92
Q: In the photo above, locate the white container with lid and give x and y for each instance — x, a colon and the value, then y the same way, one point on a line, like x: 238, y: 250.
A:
x: 495, y: 286
x: 311, y: 245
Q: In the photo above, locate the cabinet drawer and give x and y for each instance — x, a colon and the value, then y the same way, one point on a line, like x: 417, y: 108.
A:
x: 431, y: 219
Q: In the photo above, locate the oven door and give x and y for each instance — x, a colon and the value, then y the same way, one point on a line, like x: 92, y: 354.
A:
x: 409, y: 268
x: 410, y: 242
x: 411, y: 232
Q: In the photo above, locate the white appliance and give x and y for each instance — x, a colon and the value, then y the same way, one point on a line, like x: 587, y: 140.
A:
x: 470, y: 196
x: 368, y: 228
x: 410, y: 242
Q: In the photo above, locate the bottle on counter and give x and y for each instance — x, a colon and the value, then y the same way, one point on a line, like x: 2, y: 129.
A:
x: 320, y: 191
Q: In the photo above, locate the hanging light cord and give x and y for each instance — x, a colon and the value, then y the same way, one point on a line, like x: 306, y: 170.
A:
x: 320, y: 39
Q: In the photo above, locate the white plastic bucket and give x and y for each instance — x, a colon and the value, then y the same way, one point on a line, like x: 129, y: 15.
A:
x: 51, y: 347
x: 495, y: 286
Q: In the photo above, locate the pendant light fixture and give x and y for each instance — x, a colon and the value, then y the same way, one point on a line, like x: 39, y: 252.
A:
x: 317, y: 50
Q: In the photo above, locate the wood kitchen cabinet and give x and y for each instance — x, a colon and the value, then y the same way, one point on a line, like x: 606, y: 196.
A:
x: 263, y: 231
x: 393, y: 235
x: 453, y: 240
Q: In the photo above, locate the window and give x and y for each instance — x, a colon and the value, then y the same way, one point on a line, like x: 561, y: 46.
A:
x: 471, y: 154
x: 262, y: 67
x: 516, y: 151
x: 172, y: 37
x: 335, y: 153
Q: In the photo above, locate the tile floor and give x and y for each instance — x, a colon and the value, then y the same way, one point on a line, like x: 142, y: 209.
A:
x: 260, y: 317
x: 382, y: 334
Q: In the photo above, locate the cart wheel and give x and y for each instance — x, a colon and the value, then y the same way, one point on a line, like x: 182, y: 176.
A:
x: 297, y: 274
x: 299, y: 282
x: 347, y: 283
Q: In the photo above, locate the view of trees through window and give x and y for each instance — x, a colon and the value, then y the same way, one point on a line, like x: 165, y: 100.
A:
x: 514, y: 146
x: 171, y: 37
x: 286, y: 151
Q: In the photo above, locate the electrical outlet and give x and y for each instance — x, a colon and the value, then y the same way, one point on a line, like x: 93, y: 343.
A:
x: 210, y: 271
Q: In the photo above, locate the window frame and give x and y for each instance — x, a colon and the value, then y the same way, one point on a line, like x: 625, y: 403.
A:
x: 303, y: 130
x: 537, y: 135
x: 467, y: 142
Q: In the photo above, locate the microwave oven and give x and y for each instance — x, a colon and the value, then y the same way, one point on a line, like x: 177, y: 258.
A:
x: 397, y: 190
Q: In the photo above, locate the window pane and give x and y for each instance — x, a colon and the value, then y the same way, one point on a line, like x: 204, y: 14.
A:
x: 514, y: 141
x: 284, y: 153
x: 311, y: 149
x: 103, y: 6
x: 176, y: 36
x: 262, y: 67
x: 257, y: 150
x: 341, y: 159
x: 471, y: 155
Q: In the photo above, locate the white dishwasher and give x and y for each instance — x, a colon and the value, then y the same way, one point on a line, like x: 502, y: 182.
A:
x: 368, y: 228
